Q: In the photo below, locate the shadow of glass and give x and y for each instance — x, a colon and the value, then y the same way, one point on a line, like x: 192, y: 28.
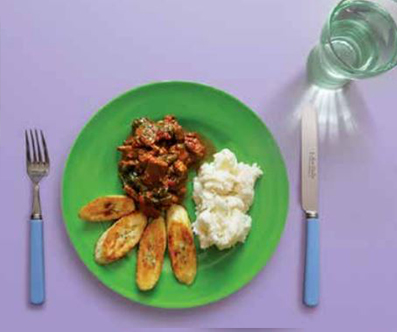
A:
x: 343, y: 119
x: 345, y: 125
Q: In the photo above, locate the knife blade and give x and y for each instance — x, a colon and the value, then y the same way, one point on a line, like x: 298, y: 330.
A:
x: 309, y: 180
x: 309, y: 161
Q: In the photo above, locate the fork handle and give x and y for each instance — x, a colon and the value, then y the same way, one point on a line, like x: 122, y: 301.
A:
x: 37, y: 285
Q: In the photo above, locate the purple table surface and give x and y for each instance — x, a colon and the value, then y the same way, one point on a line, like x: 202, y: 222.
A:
x: 62, y: 60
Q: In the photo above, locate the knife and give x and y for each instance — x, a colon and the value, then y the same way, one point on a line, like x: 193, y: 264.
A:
x: 309, y: 169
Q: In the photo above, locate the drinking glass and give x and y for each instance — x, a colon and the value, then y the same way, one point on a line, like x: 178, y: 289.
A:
x: 359, y: 40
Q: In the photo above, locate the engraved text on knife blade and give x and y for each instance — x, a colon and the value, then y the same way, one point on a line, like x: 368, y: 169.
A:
x: 312, y: 169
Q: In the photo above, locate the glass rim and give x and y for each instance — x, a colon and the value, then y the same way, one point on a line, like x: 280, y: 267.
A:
x: 347, y: 67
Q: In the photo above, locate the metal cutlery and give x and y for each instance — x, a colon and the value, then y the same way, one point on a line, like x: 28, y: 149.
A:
x: 309, y: 169
x: 38, y: 166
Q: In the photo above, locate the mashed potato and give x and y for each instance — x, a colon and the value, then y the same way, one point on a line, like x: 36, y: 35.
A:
x: 223, y: 193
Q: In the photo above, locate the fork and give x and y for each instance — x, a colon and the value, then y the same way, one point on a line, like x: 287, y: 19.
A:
x: 38, y: 166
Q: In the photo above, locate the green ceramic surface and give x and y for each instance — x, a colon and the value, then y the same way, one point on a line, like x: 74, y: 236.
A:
x: 91, y: 171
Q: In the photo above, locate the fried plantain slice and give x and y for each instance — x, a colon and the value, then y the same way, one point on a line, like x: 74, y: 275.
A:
x: 120, y: 238
x: 181, y: 248
x: 107, y: 208
x: 151, y: 254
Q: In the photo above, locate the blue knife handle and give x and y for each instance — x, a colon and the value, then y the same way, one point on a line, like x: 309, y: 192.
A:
x: 312, y: 264
x: 37, y: 285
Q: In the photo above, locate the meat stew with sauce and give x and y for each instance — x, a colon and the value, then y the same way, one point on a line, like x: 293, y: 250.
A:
x: 155, y: 161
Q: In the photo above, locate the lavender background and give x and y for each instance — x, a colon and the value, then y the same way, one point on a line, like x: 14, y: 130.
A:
x: 62, y: 60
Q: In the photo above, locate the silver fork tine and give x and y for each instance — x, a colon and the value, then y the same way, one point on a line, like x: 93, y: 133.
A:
x: 46, y: 158
x: 40, y: 160
x: 33, y: 146
x: 27, y: 147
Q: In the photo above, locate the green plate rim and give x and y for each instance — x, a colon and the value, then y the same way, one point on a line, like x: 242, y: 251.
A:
x: 273, y: 243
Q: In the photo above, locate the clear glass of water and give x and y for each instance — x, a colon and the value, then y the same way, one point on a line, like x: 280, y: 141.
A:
x: 359, y: 40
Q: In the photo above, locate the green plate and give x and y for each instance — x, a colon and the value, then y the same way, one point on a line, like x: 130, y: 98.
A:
x: 91, y: 171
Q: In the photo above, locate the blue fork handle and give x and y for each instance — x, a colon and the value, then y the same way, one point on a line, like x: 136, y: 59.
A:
x: 37, y: 285
x: 312, y: 264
